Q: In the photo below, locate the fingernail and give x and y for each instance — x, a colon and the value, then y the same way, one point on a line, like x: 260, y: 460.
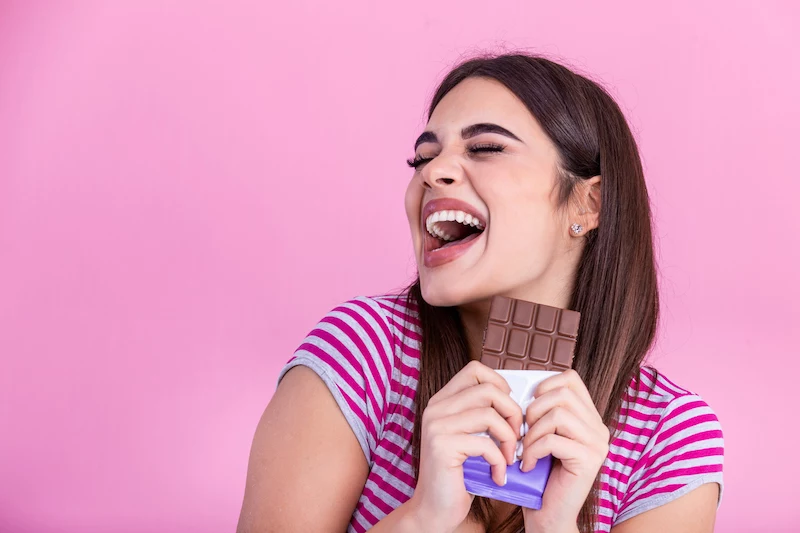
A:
x: 505, y: 479
x: 522, y: 462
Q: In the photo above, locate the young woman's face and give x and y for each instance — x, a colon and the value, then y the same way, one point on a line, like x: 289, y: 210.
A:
x: 499, y: 184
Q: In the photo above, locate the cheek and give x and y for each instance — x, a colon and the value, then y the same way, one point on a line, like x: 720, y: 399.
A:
x: 525, y: 222
x: 413, y: 198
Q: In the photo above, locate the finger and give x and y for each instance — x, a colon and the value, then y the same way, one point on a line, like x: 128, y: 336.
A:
x: 482, y: 395
x: 472, y: 446
x: 570, y: 379
x: 472, y: 374
x: 559, y: 421
x: 482, y: 419
x: 560, y: 397
x: 571, y: 453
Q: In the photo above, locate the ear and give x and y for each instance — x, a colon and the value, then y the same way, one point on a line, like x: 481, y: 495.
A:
x: 587, y: 203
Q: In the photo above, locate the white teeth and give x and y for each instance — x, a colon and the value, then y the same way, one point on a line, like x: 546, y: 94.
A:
x: 436, y: 232
x: 452, y: 216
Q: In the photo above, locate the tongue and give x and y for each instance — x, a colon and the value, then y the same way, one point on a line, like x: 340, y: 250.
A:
x: 456, y: 230
x: 462, y: 241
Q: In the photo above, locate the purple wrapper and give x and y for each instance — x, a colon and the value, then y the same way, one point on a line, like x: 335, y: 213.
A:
x: 521, y: 488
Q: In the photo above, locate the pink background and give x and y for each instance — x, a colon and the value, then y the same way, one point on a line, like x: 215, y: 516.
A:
x: 186, y: 189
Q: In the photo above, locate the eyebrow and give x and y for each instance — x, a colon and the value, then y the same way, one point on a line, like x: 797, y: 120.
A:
x: 466, y: 133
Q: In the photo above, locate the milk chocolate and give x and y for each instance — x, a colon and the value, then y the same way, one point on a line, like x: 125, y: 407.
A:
x: 522, y: 335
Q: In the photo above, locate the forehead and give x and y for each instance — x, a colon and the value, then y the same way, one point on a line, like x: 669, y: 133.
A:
x: 477, y: 100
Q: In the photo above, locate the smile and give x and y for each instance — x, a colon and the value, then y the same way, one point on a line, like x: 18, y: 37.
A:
x: 451, y: 227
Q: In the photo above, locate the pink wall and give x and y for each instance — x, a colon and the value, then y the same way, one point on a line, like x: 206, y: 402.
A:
x: 185, y: 190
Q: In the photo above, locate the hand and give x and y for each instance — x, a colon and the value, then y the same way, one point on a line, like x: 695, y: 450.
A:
x: 563, y: 421
x: 476, y: 399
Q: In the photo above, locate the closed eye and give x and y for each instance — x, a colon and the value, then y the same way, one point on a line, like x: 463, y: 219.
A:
x: 478, y: 148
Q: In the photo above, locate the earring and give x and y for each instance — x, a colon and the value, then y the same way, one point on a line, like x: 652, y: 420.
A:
x: 577, y: 228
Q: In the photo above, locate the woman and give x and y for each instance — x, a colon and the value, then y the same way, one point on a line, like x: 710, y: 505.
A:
x: 527, y: 183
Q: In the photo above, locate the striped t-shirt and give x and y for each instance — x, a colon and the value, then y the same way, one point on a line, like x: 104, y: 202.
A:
x: 367, y: 352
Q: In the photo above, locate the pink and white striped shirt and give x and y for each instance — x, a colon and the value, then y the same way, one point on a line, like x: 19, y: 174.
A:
x: 367, y: 352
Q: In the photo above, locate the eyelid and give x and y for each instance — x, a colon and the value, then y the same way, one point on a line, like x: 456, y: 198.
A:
x: 486, y: 147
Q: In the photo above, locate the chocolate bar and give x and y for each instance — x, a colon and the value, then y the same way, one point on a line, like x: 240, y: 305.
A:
x: 522, y: 335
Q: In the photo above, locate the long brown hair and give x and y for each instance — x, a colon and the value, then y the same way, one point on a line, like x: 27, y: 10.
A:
x: 616, y: 288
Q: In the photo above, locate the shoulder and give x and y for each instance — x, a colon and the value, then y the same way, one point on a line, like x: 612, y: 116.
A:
x: 654, y: 397
x: 353, y: 348
x: 358, y: 327
x: 401, y: 313
x: 361, y: 335
x: 393, y: 310
x: 669, y: 441
x: 656, y: 410
x: 389, y: 317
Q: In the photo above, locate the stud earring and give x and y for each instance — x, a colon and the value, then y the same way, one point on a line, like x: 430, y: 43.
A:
x: 577, y: 228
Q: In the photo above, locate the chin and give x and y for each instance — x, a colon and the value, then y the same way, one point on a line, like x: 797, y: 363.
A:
x: 439, y: 298
x: 447, y: 292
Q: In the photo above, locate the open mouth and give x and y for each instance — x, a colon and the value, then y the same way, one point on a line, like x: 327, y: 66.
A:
x: 449, y: 228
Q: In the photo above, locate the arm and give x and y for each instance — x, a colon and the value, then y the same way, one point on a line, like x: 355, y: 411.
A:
x: 302, y: 453
x: 306, y: 469
x: 693, y: 512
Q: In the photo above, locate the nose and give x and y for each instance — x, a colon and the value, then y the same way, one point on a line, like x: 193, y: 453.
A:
x: 439, y: 173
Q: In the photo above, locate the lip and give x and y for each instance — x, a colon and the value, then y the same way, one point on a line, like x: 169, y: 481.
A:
x: 441, y: 256
x: 450, y: 204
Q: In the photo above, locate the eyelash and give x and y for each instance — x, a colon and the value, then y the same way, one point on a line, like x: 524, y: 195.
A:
x: 416, y: 162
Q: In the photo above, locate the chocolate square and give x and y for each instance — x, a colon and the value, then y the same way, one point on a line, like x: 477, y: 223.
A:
x: 523, y: 335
